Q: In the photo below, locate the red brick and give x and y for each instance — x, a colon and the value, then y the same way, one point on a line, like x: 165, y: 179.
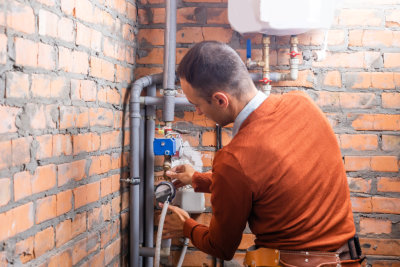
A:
x: 20, y: 17
x: 389, y: 122
x: 8, y: 115
x: 17, y: 84
x: 87, y: 142
x: 128, y: 32
x: 189, y: 35
x: 74, y: 117
x: 84, y: 10
x: 48, y: 23
x: 62, y: 259
x: 106, y: 210
x: 110, y: 140
x: 333, y: 78
x: 391, y: 60
x: 44, y: 178
x: 24, y: 249
x: 74, y: 170
x: 131, y: 11
x: 68, y: 7
x: 112, y: 251
x: 16, y: 220
x: 209, y: 139
x: 217, y: 16
x: 359, y: 185
x: 5, y: 191
x: 375, y: 163
x: 88, y: 37
x: 217, y: 34
x: 66, y: 29
x: 62, y: 145
x: 101, y: 117
x: 73, y: 61
x: 361, y: 204
x: 207, y: 158
x: 93, y: 242
x: 86, y: 194
x: 97, y: 260
x: 193, y: 258
x: 44, y: 241
x: 3, y: 49
x: 375, y: 226
x: 151, y: 56
x: 83, y: 90
x: 123, y: 74
x: 95, y: 218
x: 358, y: 141
x: 22, y: 185
x: 101, y: 68
x: 40, y: 116
x: 390, y: 142
x: 78, y: 224
x: 391, y: 100
x: 388, y: 184
x: 349, y: 60
x: 362, y: 17
x: 26, y: 52
x: 100, y: 164
x: 79, y: 251
x: 116, y: 206
x: 48, y: 86
x: 21, y: 150
x: 115, y: 183
x: 392, y: 18
x: 109, y: 232
x: 64, y: 202
x: 371, y: 38
x: 46, y: 208
x: 63, y: 232
x: 109, y: 95
x: 385, y: 205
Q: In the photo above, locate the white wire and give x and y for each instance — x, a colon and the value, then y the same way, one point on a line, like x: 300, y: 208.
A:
x: 159, y: 234
x: 182, y: 257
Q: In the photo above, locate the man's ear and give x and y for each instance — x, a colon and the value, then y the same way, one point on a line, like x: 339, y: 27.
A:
x: 221, y: 99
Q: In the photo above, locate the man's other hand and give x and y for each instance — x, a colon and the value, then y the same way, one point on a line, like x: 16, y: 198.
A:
x: 174, y: 221
x: 183, y: 173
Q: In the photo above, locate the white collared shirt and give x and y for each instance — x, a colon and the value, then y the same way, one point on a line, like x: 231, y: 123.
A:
x: 253, y: 104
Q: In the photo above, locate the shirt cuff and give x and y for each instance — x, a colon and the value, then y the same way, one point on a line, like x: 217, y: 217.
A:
x: 201, y: 181
x: 188, y: 227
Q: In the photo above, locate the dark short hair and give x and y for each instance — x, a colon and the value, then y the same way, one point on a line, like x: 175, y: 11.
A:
x: 212, y: 66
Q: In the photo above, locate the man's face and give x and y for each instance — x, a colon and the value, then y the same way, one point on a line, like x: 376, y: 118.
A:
x: 209, y: 109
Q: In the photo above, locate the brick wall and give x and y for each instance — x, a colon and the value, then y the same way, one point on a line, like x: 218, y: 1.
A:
x: 357, y: 86
x: 64, y: 69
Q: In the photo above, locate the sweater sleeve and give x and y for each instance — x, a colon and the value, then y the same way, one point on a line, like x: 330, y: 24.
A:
x: 201, y: 182
x: 231, y: 200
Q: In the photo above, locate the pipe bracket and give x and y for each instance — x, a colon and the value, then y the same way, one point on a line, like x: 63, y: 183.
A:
x: 133, y: 181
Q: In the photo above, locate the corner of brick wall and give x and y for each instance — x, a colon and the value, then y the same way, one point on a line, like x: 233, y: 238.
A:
x: 357, y: 86
x: 65, y: 66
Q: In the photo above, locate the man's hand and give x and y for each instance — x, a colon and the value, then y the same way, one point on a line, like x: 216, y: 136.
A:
x: 174, y: 221
x: 183, y: 173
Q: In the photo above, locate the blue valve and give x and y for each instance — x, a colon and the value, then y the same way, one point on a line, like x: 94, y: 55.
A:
x: 248, y: 48
x: 164, y: 146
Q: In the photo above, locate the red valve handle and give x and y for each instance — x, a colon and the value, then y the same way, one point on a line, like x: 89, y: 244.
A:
x: 294, y: 54
x: 265, y: 81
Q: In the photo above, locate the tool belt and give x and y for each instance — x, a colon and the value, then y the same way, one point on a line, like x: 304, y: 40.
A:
x: 348, y: 255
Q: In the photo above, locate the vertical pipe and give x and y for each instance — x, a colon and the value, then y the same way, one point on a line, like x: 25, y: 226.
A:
x: 134, y: 186
x: 149, y: 182
x: 267, y: 86
x: 169, y: 60
x: 142, y: 173
x: 134, y: 126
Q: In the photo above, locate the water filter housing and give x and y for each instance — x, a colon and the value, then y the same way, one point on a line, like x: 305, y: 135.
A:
x: 282, y: 17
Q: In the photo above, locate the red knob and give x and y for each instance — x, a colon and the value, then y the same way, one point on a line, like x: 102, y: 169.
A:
x: 265, y: 81
x: 294, y: 54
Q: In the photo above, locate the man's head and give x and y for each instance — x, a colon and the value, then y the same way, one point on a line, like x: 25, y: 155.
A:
x: 216, y: 81
x: 212, y: 66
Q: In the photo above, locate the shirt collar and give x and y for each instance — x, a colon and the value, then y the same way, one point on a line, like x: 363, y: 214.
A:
x: 253, y: 104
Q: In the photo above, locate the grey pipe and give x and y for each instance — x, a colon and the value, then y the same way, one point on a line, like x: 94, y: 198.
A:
x: 169, y: 60
x: 152, y: 100
x: 149, y: 182
x: 134, y: 125
x: 142, y: 173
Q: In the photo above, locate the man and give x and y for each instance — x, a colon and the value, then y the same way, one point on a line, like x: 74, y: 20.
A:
x: 282, y: 172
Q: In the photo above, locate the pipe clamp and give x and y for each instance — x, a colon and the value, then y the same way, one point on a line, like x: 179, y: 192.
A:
x: 133, y: 181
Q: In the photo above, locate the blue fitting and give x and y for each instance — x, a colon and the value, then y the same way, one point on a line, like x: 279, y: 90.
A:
x: 248, y: 48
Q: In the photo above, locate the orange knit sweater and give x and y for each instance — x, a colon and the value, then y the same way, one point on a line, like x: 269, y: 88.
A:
x: 283, y: 174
